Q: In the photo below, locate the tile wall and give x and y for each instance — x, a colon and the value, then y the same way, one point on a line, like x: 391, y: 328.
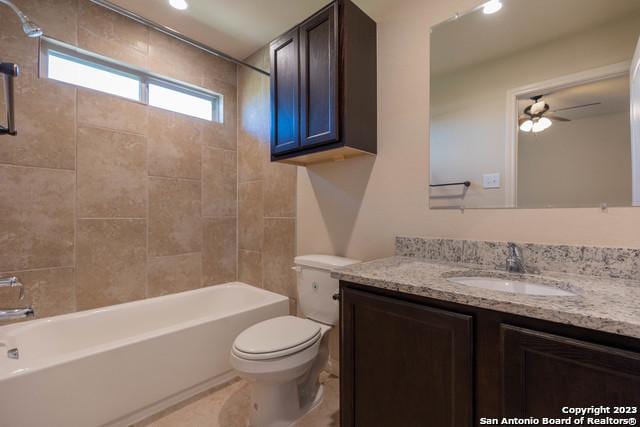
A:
x: 266, y: 191
x: 104, y: 200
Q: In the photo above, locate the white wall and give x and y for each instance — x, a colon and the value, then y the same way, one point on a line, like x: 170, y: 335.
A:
x: 356, y: 208
x: 578, y: 163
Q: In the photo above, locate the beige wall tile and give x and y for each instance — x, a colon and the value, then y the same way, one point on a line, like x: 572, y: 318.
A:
x: 172, y: 58
x: 112, y: 26
x: 45, y: 119
x: 57, y: 18
x: 175, y: 148
x: 50, y: 291
x: 111, y: 48
x: 171, y: 274
x: 175, y: 223
x: 278, y: 254
x: 218, y: 68
x: 111, y: 261
x: 250, y: 215
x: 15, y: 46
x: 36, y: 218
x: 112, y: 112
x: 112, y: 177
x: 219, y: 174
x: 280, y: 190
x: 222, y: 135
x: 250, y: 267
x: 219, y: 251
x: 251, y: 154
x: 253, y: 119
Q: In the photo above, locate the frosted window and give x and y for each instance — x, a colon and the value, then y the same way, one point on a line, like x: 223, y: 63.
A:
x: 80, y: 73
x: 180, y: 102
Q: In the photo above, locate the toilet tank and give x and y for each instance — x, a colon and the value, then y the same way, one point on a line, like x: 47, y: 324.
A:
x: 316, y: 287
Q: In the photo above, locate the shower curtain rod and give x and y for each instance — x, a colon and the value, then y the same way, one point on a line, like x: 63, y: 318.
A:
x: 175, y: 34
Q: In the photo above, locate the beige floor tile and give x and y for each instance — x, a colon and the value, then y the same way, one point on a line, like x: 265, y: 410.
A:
x: 228, y: 406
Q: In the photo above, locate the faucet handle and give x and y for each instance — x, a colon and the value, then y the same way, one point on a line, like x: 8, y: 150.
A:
x: 13, y: 282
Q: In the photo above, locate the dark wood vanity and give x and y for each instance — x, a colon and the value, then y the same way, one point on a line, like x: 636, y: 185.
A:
x: 323, y: 87
x: 409, y: 360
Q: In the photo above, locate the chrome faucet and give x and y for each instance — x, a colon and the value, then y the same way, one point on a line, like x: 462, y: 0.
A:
x: 514, y: 262
x: 14, y: 313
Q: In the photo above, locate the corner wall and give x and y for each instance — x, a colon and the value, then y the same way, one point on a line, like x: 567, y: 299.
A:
x: 355, y: 208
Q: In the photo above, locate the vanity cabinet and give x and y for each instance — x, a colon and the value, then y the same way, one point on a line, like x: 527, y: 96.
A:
x: 323, y: 87
x: 542, y: 371
x: 415, y: 361
x: 409, y: 362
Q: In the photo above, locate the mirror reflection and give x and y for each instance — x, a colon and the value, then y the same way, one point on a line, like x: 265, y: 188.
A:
x: 535, y: 104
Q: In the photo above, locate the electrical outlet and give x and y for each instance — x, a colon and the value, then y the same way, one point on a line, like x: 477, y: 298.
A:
x: 491, y: 180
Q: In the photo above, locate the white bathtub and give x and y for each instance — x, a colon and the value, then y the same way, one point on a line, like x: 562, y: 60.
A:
x: 116, y: 365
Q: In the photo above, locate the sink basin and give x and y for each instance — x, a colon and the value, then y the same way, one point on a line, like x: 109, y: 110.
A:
x: 513, y: 286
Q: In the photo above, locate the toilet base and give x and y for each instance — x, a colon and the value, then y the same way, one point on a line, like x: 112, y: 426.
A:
x: 277, y: 405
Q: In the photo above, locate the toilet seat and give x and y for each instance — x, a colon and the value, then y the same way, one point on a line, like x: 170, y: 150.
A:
x: 275, y: 338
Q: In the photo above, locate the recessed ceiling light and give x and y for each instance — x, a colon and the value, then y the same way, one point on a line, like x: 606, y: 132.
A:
x: 179, y: 4
x: 492, y: 6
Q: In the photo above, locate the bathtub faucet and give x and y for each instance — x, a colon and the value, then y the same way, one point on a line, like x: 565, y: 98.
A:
x: 12, y: 282
x: 14, y: 313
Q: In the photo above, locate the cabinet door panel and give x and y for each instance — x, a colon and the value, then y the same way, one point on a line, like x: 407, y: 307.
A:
x: 318, y: 78
x: 285, y: 103
x: 544, y: 372
x: 404, y: 364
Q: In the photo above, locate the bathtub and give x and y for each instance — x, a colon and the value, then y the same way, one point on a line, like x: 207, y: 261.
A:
x: 117, y: 365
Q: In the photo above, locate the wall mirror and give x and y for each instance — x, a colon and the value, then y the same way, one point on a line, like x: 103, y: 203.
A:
x: 536, y: 105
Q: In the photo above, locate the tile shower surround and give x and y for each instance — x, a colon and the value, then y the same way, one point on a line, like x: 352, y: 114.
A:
x: 621, y: 263
x: 104, y: 200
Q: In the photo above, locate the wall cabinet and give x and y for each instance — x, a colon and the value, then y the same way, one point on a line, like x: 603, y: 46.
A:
x: 413, y: 361
x: 323, y: 87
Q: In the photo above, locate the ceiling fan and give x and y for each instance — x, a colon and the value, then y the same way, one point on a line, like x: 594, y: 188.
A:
x: 537, y: 117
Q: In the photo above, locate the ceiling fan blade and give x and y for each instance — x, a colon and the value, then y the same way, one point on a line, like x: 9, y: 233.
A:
x: 577, y: 106
x: 522, y: 119
x: 557, y: 118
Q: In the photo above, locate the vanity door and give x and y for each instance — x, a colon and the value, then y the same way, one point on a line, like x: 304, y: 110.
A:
x: 543, y: 373
x: 404, y: 364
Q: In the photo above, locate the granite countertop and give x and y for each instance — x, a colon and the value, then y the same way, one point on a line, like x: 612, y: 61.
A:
x: 603, y: 304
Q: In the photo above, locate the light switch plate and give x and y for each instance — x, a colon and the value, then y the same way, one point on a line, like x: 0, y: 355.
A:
x: 491, y: 180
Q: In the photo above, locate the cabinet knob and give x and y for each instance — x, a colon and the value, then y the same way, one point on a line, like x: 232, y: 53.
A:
x: 336, y: 296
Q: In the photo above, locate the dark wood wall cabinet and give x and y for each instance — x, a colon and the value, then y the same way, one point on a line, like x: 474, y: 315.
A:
x: 412, y: 361
x: 323, y: 87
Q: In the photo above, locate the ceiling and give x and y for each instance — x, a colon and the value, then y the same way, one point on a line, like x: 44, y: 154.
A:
x: 237, y: 27
x: 476, y: 37
x: 612, y: 93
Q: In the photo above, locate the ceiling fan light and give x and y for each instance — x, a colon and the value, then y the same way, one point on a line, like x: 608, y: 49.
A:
x: 179, y: 4
x: 545, y: 122
x: 538, y: 127
x: 492, y: 6
x: 526, y: 126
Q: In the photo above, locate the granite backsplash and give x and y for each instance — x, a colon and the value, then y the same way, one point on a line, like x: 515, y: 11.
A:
x: 623, y: 263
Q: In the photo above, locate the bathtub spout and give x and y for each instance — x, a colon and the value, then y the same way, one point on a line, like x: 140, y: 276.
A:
x: 16, y: 313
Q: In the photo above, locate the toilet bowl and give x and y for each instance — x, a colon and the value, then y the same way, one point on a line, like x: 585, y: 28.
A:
x: 282, y: 358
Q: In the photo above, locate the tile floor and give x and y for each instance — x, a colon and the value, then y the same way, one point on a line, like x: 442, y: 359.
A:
x: 228, y: 406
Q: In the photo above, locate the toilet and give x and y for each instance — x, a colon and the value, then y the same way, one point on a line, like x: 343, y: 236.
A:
x: 281, y: 358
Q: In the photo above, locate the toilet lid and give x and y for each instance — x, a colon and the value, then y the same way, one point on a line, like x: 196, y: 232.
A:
x: 277, y: 337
